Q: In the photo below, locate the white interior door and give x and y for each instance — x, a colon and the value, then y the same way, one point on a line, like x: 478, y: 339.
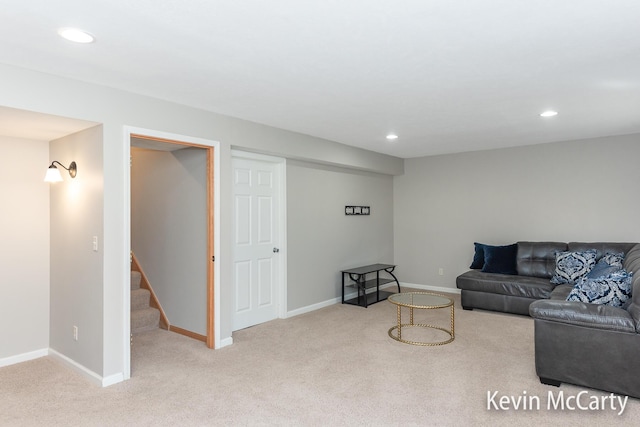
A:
x: 256, y: 245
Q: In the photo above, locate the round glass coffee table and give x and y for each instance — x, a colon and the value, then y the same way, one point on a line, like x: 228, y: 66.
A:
x: 420, y: 300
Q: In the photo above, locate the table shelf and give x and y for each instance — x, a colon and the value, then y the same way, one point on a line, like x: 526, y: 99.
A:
x: 356, y: 278
x: 372, y: 298
x: 371, y: 283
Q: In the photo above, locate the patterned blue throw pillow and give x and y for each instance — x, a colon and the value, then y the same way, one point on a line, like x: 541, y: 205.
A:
x: 602, y: 269
x: 571, y: 266
x: 614, y: 260
x: 608, y: 264
x: 613, y: 290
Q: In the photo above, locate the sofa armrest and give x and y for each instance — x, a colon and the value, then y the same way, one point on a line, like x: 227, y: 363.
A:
x: 595, y: 316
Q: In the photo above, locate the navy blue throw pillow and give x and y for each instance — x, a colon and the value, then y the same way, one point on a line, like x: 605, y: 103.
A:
x: 478, y: 256
x: 500, y: 259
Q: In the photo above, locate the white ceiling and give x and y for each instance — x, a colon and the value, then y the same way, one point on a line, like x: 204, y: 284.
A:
x: 37, y: 126
x: 446, y: 76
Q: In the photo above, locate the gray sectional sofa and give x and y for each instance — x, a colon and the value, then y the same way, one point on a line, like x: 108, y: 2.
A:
x: 591, y: 345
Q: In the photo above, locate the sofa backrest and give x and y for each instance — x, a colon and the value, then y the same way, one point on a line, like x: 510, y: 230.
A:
x: 601, y: 247
x: 538, y: 259
x: 632, y: 265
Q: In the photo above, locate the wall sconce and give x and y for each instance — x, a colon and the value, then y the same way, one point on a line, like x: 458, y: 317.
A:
x: 53, y: 174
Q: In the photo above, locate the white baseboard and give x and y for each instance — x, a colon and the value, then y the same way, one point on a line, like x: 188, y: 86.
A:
x: 82, y: 370
x: 440, y: 289
x: 24, y: 357
x: 338, y: 300
x: 324, y: 304
x: 225, y: 342
x: 314, y: 307
x: 112, y: 379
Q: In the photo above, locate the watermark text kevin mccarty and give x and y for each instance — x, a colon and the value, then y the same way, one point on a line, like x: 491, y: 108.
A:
x: 558, y: 401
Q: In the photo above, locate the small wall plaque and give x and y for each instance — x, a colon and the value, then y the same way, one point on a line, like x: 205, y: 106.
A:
x: 357, y: 210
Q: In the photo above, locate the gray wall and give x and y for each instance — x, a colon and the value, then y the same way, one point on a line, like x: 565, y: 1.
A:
x: 40, y: 92
x: 169, y: 230
x: 442, y: 204
x: 321, y: 239
x: 24, y: 247
x: 76, y: 269
x: 583, y: 190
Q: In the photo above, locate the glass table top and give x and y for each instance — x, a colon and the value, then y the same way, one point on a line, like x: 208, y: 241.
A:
x: 421, y: 300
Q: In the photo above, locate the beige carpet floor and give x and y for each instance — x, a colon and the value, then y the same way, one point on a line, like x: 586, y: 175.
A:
x: 335, y: 366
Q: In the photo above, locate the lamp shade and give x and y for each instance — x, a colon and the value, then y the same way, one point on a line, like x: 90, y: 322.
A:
x: 53, y: 175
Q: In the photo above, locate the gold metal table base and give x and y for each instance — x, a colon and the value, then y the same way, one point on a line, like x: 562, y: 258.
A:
x: 400, y: 326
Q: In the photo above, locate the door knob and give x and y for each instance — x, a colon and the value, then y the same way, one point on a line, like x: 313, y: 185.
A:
x: 276, y: 250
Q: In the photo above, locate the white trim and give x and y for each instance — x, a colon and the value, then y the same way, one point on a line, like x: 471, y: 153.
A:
x: 350, y: 295
x: 128, y: 130
x: 82, y: 370
x: 226, y: 342
x: 255, y: 156
x: 24, y: 357
x: 327, y: 303
x: 126, y: 279
x: 423, y: 287
x: 284, y: 288
x: 217, y: 283
x: 85, y: 372
x: 112, y: 379
x: 281, y: 164
x: 313, y: 307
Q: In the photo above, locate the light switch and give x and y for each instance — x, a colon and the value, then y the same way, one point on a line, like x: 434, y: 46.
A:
x: 95, y: 243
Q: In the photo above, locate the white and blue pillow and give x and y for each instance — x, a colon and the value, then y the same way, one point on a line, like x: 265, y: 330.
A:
x: 602, y: 269
x: 572, y: 266
x: 609, y: 263
x: 614, y: 289
x: 614, y: 260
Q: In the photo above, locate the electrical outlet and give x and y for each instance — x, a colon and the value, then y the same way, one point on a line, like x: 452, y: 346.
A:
x: 75, y: 333
x: 95, y: 243
x: 441, y: 271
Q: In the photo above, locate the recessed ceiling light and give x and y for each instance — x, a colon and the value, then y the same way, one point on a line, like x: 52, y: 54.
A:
x: 392, y: 137
x: 549, y: 113
x: 76, y: 35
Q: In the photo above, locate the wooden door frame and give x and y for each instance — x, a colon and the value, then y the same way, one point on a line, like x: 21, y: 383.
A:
x: 213, y: 227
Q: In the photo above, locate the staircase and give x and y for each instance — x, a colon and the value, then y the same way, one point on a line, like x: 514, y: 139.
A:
x: 143, y: 317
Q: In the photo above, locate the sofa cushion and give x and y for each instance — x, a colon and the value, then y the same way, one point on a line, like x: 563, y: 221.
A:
x: 561, y: 292
x: 500, y: 259
x: 631, y: 263
x: 504, y: 284
x: 582, y: 314
x: 613, y: 290
x: 538, y: 259
x: 634, y: 311
x: 572, y: 265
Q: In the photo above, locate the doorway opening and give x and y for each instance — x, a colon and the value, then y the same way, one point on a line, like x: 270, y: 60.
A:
x: 211, y: 230
x: 174, y: 217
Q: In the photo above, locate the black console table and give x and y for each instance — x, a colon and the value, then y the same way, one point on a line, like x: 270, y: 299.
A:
x: 357, y: 278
